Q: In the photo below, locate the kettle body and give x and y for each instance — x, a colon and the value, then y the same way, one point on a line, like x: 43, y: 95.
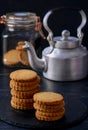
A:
x: 66, y: 65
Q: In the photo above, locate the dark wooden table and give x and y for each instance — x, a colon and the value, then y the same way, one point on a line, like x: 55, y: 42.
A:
x: 77, y: 89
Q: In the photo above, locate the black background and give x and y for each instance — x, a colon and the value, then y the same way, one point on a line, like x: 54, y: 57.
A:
x: 58, y: 22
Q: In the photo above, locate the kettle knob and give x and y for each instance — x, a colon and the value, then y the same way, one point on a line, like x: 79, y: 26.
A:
x: 65, y: 34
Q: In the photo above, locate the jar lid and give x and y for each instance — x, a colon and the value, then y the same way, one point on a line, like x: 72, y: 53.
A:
x: 66, y: 41
x: 21, y: 19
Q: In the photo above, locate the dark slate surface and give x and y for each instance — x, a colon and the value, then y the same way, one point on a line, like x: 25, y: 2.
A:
x: 75, y: 112
x: 76, y: 93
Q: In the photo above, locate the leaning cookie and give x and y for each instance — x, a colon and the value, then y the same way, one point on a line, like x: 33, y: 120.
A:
x: 23, y: 58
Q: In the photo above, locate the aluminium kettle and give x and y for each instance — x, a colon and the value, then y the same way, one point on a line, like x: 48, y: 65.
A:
x: 66, y: 59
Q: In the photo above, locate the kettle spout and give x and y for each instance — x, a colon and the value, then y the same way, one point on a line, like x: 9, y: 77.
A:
x: 35, y: 62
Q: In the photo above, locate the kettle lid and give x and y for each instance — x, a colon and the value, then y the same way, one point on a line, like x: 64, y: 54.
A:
x: 66, y: 41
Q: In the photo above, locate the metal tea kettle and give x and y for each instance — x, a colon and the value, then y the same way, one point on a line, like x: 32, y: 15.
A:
x: 66, y: 59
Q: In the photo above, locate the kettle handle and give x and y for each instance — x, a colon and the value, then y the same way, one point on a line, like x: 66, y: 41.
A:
x: 79, y: 29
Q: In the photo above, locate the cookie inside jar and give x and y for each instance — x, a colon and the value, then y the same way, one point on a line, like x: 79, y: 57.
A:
x: 17, y: 56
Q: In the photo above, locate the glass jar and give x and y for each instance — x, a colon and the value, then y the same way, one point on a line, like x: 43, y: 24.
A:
x: 19, y: 27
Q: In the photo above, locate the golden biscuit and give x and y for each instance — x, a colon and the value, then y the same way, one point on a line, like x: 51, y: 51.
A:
x: 48, y: 118
x: 18, y: 103
x: 11, y: 57
x: 47, y: 108
x: 23, y: 75
x: 21, y: 106
x: 24, y: 94
x: 49, y: 98
x: 24, y: 88
x: 51, y: 114
x: 27, y: 83
x: 21, y: 101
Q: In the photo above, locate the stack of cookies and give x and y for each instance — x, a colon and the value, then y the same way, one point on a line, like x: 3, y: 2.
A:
x: 49, y: 106
x: 24, y: 84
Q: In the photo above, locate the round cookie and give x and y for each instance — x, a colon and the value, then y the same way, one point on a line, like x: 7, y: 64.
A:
x: 47, y: 108
x: 24, y: 88
x: 24, y: 94
x: 49, y: 98
x: 23, y: 75
x: 21, y: 100
x: 21, y: 106
x: 27, y: 83
x: 48, y: 118
x: 11, y: 57
x: 52, y: 114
